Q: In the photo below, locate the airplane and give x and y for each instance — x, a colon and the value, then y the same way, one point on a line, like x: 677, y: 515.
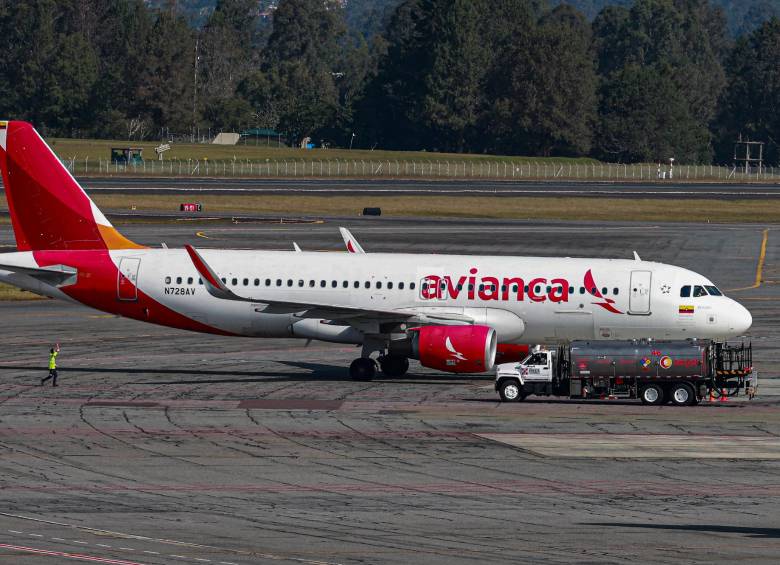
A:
x: 454, y: 313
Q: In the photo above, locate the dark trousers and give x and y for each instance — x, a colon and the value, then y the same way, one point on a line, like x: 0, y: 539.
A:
x: 53, y: 376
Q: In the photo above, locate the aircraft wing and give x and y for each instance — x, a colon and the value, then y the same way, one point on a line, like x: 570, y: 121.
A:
x: 349, y: 240
x: 309, y: 309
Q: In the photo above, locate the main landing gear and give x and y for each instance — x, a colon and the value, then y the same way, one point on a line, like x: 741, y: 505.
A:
x: 364, y: 368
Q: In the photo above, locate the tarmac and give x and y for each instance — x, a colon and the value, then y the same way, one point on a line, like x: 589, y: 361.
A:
x: 161, y: 446
x: 726, y: 190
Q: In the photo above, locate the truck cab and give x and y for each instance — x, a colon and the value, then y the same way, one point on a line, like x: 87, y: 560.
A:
x: 533, y: 375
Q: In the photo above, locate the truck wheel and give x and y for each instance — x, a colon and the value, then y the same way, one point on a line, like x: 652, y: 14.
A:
x: 682, y: 394
x: 511, y: 391
x: 652, y: 394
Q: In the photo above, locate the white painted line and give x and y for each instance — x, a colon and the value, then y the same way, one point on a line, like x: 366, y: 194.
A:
x: 81, y: 542
x: 127, y: 548
x: 202, y: 560
x: 178, y: 556
x: 15, y: 532
x: 227, y: 563
x: 103, y: 545
x: 57, y: 539
x: 35, y: 535
x: 152, y: 552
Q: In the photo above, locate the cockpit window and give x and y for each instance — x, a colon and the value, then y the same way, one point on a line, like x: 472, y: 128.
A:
x: 714, y: 291
x: 699, y: 291
x: 685, y: 291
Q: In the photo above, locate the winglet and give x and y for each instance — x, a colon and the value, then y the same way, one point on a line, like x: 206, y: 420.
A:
x: 349, y: 240
x: 636, y: 256
x: 211, y: 281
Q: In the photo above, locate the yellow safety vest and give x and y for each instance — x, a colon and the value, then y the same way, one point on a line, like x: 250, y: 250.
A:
x: 53, y: 360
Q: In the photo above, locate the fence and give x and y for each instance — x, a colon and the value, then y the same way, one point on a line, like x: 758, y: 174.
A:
x: 472, y: 169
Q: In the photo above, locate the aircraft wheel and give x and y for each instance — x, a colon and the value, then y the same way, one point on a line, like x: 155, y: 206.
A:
x: 682, y: 394
x: 362, y: 369
x: 510, y: 390
x: 652, y: 394
x: 394, y: 365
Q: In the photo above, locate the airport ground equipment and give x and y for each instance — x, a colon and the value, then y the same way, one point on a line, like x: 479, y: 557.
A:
x: 656, y: 372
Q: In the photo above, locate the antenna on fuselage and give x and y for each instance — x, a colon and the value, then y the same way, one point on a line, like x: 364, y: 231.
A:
x: 636, y: 256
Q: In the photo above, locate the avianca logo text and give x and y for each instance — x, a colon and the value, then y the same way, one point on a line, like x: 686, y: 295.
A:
x: 538, y: 289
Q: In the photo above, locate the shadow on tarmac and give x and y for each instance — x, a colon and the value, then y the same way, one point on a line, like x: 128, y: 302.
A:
x: 319, y: 373
x: 708, y: 528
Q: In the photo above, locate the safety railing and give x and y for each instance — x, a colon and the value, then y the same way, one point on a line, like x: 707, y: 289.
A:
x: 463, y: 169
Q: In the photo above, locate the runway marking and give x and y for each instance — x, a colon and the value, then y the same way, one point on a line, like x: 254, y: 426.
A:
x: 66, y: 555
x: 760, y: 267
x: 202, y: 234
x: 35, y: 535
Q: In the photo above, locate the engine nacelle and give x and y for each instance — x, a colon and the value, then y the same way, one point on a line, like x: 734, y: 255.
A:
x: 456, y: 349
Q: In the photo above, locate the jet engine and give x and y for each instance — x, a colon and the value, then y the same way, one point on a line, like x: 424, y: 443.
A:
x: 456, y: 349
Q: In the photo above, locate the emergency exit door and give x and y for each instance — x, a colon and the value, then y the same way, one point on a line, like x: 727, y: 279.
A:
x: 126, y: 286
x: 639, y: 299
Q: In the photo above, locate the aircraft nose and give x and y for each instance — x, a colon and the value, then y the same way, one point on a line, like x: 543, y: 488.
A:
x: 740, y: 318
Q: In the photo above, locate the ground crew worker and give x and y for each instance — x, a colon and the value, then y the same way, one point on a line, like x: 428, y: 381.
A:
x: 52, y: 366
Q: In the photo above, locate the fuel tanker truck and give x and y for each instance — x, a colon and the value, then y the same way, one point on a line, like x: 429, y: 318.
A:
x: 656, y: 372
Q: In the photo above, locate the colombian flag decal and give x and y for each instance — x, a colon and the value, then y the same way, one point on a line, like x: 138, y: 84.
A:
x: 685, y: 309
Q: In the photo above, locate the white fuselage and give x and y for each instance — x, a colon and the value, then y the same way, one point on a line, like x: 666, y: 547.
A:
x: 523, y: 298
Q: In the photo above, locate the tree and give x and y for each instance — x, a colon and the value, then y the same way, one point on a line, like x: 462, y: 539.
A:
x: 752, y: 97
x: 300, y: 61
x: 166, y: 89
x: 678, y: 43
x: 454, y: 85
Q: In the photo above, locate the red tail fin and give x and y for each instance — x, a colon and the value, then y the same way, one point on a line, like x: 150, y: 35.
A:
x: 49, y: 210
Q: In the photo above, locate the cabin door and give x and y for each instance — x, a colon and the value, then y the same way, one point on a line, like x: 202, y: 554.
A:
x: 639, y: 299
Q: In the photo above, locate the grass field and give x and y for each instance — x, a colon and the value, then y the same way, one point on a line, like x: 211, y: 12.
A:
x: 598, y: 209
x: 8, y: 292
x: 92, y: 149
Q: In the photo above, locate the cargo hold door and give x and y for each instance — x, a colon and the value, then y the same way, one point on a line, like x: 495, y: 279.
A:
x: 639, y: 298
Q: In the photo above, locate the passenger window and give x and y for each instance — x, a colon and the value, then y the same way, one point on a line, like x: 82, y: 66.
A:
x: 178, y: 280
x: 246, y: 282
x: 367, y: 284
x: 582, y: 290
x: 571, y: 290
x: 685, y: 291
x: 390, y: 286
x: 278, y: 282
x: 345, y: 284
x: 334, y: 284
x: 311, y: 283
x: 189, y: 280
x: 257, y: 282
x: 356, y: 284
x: 322, y: 284
x: 604, y: 291
x: 379, y: 284
x: 400, y: 286
x: 224, y: 280
x: 699, y: 291
x: 616, y: 291
x: 267, y: 282
x: 411, y: 285
x: 300, y: 283
x: 289, y: 282
x: 538, y: 359
x: 167, y: 280
x: 713, y: 291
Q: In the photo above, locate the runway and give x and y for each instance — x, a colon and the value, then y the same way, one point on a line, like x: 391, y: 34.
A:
x: 165, y: 447
x: 471, y: 187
